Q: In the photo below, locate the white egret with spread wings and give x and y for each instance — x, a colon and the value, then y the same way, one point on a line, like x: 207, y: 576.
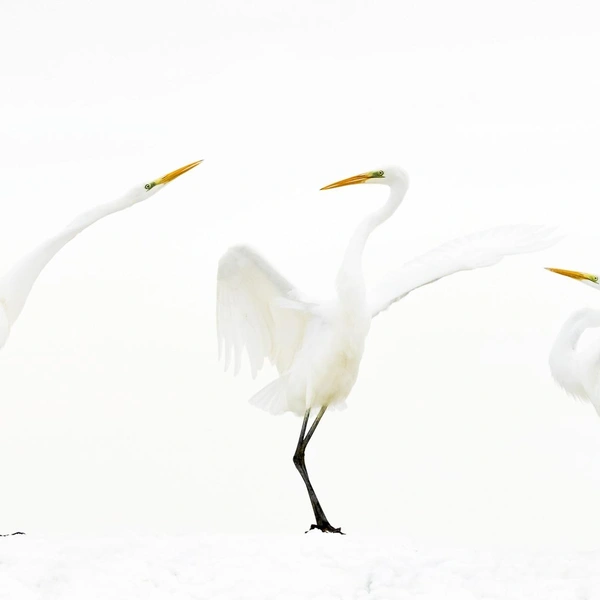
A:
x: 317, y: 345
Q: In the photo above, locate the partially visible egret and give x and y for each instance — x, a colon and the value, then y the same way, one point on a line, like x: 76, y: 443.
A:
x: 16, y: 285
x: 575, y: 368
x: 317, y: 346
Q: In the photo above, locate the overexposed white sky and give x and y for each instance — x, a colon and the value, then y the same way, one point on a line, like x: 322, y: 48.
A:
x: 115, y: 414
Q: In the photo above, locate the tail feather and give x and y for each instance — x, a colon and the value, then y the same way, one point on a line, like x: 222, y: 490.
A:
x: 273, y: 397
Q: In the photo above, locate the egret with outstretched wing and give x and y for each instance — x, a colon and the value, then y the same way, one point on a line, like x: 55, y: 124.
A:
x: 316, y: 345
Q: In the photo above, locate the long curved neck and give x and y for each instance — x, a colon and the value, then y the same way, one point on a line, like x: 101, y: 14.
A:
x: 563, y: 356
x: 350, y: 276
x: 16, y: 285
x: 574, y: 327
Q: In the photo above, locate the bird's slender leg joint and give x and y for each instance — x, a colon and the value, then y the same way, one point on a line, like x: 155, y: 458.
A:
x: 322, y: 522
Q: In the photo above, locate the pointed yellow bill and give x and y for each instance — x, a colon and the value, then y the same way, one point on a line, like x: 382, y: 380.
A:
x: 575, y: 274
x: 174, y: 174
x: 353, y: 180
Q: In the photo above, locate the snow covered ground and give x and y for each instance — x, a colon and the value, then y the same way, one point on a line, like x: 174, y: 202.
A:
x: 313, y: 566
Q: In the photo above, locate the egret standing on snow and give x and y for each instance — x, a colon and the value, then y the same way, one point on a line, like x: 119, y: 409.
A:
x: 317, y: 346
x: 16, y: 285
x: 576, y: 367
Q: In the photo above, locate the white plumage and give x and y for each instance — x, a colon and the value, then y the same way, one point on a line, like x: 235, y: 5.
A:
x: 251, y: 312
x: 16, y: 285
x: 474, y: 251
x: 317, y: 346
x: 575, y: 365
x: 575, y: 356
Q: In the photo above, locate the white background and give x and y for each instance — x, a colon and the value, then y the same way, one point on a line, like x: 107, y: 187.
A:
x: 115, y: 414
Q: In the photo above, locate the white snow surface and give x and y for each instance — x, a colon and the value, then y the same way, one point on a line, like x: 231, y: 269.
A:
x: 314, y: 566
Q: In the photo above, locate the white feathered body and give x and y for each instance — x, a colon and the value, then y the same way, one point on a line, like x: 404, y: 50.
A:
x: 325, y: 368
x: 575, y: 361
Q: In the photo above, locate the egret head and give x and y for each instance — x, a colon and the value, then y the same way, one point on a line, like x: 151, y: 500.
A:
x: 390, y: 176
x: 587, y: 278
x: 151, y: 187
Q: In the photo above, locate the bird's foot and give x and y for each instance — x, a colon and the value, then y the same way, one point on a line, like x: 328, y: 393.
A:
x: 9, y: 534
x: 326, y: 528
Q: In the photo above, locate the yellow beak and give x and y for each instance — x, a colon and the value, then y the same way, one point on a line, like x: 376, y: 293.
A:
x: 174, y: 174
x: 574, y: 274
x: 349, y: 181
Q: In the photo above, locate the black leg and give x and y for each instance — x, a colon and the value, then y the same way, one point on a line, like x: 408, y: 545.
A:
x: 322, y: 522
x: 314, y: 425
x: 9, y: 534
x: 303, y: 428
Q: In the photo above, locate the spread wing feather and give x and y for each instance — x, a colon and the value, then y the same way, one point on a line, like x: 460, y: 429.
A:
x: 481, y: 249
x: 258, y: 310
